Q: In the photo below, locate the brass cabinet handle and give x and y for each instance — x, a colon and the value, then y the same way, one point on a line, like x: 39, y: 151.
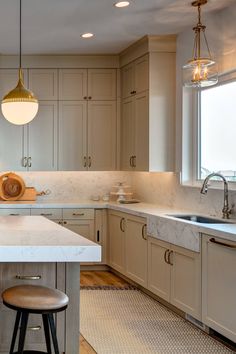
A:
x: 24, y: 161
x: 85, y: 97
x: 90, y: 98
x: 14, y: 214
x: 85, y: 161
x: 89, y: 162
x: 45, y: 214
x: 213, y: 240
x: 130, y: 161
x: 122, y: 224
x: 165, y: 256
x: 134, y: 161
x: 144, y: 232
x: 28, y: 277
x: 78, y: 214
x: 60, y: 222
x: 169, y: 257
x: 65, y: 222
x: 34, y: 328
x: 29, y: 162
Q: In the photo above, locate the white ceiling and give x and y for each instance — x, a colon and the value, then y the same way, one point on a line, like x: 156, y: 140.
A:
x: 54, y: 26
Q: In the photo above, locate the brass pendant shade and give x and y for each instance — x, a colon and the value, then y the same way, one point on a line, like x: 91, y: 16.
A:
x: 19, y: 106
x: 200, y: 71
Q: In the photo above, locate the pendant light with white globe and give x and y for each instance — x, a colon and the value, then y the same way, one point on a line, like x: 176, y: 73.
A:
x: 19, y: 106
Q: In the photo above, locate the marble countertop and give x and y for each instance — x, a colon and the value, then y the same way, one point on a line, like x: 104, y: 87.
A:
x: 160, y: 223
x: 37, y: 239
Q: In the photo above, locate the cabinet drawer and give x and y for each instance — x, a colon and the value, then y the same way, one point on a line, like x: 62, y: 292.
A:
x: 12, y: 274
x: 14, y: 211
x: 78, y: 213
x: 48, y: 213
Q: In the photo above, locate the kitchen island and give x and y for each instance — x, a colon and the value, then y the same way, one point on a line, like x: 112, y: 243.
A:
x: 34, y: 250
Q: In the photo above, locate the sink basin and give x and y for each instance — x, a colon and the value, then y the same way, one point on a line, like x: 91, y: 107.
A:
x: 201, y: 219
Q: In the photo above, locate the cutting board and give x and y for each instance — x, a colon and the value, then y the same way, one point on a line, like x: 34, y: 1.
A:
x: 30, y: 194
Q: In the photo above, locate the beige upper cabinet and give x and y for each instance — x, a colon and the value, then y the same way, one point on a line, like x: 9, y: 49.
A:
x: 149, y: 80
x: 72, y: 84
x: 102, y: 84
x: 134, y: 77
x: 42, y: 138
x: 44, y: 83
x: 87, y: 84
x: 72, y: 136
x: 102, y: 135
x: 219, y: 285
x: 135, y: 133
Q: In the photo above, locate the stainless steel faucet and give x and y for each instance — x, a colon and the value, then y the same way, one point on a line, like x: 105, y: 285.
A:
x: 226, y: 210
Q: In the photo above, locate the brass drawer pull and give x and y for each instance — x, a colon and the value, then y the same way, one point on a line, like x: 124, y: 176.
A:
x: 213, y: 240
x: 144, y: 232
x: 45, y: 214
x: 169, y: 259
x: 29, y: 162
x: 89, y: 161
x: 85, y: 161
x: 12, y: 214
x: 165, y: 256
x: 78, y: 214
x: 24, y: 161
x: 28, y: 277
x: 34, y: 328
x: 122, y: 224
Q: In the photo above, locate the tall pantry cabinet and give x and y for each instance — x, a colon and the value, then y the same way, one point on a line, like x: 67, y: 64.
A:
x: 148, y: 104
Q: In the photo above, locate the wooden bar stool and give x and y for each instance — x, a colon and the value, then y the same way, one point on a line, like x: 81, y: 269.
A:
x: 26, y: 299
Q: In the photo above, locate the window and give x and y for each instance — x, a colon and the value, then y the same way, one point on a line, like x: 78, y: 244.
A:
x: 217, y: 131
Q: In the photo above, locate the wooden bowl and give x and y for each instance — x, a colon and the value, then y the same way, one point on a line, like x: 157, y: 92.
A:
x: 12, y: 186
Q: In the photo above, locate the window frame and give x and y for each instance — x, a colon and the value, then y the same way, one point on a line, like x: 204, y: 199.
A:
x: 191, y: 125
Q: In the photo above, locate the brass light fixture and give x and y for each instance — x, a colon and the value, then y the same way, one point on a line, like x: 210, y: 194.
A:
x: 200, y: 71
x: 20, y: 105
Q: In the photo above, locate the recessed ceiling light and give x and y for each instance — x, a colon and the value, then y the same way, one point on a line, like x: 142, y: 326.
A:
x: 122, y: 3
x: 87, y: 35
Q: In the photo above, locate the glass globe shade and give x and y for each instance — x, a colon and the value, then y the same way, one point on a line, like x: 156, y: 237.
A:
x: 19, y: 112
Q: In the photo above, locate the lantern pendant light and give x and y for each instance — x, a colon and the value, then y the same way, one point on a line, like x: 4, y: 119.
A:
x: 200, y: 71
x: 19, y: 106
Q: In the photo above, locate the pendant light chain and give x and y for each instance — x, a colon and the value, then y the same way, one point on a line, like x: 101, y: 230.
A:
x: 20, y: 31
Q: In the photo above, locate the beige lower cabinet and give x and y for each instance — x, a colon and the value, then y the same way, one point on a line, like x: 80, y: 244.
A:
x: 136, y: 251
x: 174, y: 274
x: 219, y: 285
x: 128, y: 245
x: 116, y: 241
x: 80, y: 221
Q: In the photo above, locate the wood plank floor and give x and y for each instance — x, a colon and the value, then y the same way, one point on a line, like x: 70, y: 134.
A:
x: 90, y: 278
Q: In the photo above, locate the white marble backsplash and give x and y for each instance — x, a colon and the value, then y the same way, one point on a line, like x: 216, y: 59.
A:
x: 164, y: 189
x: 74, y: 186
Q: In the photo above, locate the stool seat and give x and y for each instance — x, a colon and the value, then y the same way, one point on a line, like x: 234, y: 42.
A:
x: 34, y: 298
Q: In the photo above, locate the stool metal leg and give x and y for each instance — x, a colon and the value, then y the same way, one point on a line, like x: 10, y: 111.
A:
x: 53, y: 332
x: 16, y: 326
x: 23, y: 327
x: 47, y: 333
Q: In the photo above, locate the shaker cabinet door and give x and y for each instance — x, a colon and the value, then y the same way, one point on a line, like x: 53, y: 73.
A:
x: 102, y: 135
x: 72, y: 84
x: 127, y: 133
x: 101, y: 84
x: 44, y: 83
x: 42, y: 138
x: 72, y: 135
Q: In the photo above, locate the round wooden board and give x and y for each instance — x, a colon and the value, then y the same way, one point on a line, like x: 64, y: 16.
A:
x: 12, y: 186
